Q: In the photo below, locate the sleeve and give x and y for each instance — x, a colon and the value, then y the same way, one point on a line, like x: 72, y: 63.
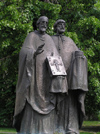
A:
x: 26, y: 69
x: 78, y: 72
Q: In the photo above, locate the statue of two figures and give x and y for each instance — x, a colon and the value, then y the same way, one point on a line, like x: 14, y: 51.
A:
x: 52, y: 83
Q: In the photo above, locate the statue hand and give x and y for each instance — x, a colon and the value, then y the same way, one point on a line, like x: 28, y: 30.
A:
x: 39, y: 49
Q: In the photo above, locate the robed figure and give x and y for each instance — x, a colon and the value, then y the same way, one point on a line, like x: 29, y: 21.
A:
x: 71, y: 110
x: 35, y: 108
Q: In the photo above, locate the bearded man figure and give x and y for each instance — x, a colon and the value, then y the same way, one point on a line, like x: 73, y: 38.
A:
x: 71, y: 110
x: 35, y: 111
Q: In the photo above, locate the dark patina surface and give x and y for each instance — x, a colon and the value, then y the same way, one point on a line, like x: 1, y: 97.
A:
x: 49, y: 103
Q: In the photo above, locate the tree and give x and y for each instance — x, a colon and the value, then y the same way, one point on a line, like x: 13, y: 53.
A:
x: 83, y: 26
x: 18, y: 18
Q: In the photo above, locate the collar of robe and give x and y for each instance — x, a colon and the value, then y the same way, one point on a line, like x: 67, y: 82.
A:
x: 42, y: 36
x: 60, y: 36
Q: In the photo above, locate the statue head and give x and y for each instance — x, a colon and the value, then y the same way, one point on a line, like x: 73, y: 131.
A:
x: 42, y: 24
x: 59, y: 26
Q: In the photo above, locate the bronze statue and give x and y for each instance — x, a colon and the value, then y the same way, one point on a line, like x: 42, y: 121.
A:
x: 71, y: 110
x: 35, y: 106
x: 52, y: 82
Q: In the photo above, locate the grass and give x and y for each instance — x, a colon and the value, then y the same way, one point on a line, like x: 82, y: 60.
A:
x: 86, y: 124
x: 91, y: 123
x: 90, y: 127
x: 86, y: 133
x: 12, y: 130
x: 89, y: 132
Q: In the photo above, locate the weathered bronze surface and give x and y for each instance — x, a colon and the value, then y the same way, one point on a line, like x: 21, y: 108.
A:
x: 71, y: 109
x: 52, y: 83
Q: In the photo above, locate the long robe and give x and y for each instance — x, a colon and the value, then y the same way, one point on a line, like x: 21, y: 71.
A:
x: 71, y: 110
x: 35, y: 105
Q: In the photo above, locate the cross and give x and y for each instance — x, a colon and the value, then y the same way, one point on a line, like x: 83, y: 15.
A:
x: 55, y: 62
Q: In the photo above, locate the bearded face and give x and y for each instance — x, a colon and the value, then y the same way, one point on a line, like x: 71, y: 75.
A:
x: 43, y: 25
x: 60, y: 28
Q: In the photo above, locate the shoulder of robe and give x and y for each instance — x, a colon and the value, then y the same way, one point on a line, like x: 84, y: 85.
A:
x: 65, y: 37
x: 29, y: 40
x: 49, y: 38
x: 70, y: 41
x: 54, y: 36
x: 31, y: 35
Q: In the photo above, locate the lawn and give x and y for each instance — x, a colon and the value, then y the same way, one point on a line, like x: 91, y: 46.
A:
x: 91, y: 123
x: 6, y: 130
x: 89, y: 127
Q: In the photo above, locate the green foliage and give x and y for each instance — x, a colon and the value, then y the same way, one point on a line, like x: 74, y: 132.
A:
x: 91, y: 123
x: 83, y: 26
x: 2, y: 130
x: 18, y: 18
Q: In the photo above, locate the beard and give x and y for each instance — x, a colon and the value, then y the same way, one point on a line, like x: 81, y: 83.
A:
x: 43, y: 28
x: 60, y: 30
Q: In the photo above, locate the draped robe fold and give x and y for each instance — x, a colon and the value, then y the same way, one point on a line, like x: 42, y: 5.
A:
x: 35, y: 108
x: 33, y: 98
x: 71, y: 109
